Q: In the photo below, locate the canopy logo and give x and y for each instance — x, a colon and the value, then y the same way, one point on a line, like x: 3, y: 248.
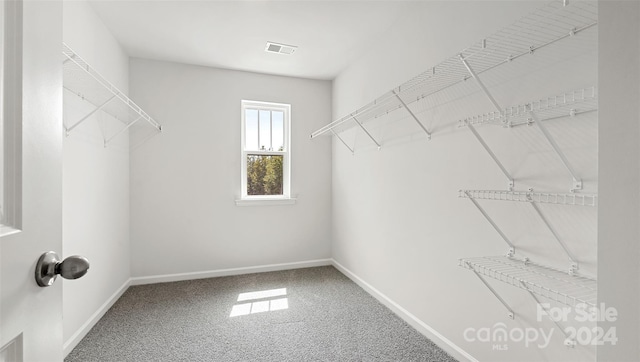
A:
x: 500, y: 336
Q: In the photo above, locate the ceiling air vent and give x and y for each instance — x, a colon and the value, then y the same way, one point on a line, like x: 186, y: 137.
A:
x: 280, y: 48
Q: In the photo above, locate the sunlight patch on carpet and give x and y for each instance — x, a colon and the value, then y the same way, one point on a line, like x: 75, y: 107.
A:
x: 260, y: 306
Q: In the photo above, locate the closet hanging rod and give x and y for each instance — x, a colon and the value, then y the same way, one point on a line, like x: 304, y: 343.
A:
x: 549, y: 25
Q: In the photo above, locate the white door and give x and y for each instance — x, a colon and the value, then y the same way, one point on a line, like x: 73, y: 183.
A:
x: 31, y: 316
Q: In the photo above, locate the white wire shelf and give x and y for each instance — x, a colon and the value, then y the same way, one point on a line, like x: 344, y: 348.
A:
x: 564, y: 105
x: 552, y: 23
x: 535, y: 113
x: 530, y: 196
x: 85, y: 82
x: 538, y: 279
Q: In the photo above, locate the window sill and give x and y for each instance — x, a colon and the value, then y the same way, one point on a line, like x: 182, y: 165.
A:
x: 266, y: 201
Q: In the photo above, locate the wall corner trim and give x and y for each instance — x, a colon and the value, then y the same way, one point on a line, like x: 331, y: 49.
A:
x: 73, y: 341
x: 405, y: 315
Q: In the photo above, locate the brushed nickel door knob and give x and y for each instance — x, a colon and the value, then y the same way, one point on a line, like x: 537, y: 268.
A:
x: 49, y: 267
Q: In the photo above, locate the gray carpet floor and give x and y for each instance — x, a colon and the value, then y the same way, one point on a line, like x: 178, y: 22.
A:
x: 325, y: 317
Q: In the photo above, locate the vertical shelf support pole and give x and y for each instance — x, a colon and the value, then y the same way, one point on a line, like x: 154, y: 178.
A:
x: 343, y: 142
x: 572, y: 259
x: 68, y: 130
x: 415, y: 118
x: 511, y: 314
x: 577, y: 182
x: 512, y: 248
x: 367, y: 132
x: 493, y: 155
x: 568, y: 341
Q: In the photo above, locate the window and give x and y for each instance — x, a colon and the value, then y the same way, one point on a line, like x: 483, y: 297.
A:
x: 266, y: 154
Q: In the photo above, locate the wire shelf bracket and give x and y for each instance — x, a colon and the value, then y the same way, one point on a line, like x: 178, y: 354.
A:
x: 480, y: 84
x: 569, y: 342
x: 577, y: 181
x: 415, y: 118
x: 557, y: 107
x: 511, y: 314
x: 367, y: 132
x: 84, y: 118
x: 532, y: 198
x: 511, y: 182
x: 512, y: 248
x: 121, y: 131
x: 498, y: 108
x: 85, y: 82
x: 343, y: 142
x: 574, y: 263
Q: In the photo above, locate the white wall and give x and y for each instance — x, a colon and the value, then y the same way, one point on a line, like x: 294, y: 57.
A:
x: 397, y: 221
x: 95, y: 179
x: 184, y: 182
x: 618, y: 247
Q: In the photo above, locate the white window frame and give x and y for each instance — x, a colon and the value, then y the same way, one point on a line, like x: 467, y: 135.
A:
x: 285, y: 198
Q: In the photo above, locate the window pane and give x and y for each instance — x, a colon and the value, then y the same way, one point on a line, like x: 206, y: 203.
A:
x: 264, y: 175
x: 251, y: 130
x: 265, y: 130
x: 277, y: 130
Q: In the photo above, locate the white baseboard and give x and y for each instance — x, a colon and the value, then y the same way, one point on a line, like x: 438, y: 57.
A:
x: 227, y: 272
x: 437, y: 338
x: 73, y: 341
